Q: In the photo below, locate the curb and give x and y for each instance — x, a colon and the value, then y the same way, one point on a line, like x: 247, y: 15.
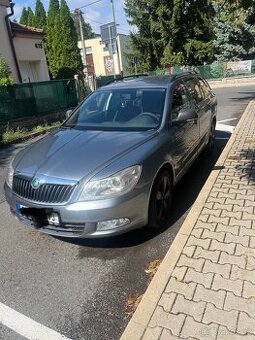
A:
x: 139, y: 322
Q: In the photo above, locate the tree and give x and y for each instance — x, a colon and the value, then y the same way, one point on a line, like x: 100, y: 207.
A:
x: 5, y: 72
x: 62, y: 51
x: 87, y: 29
x: 53, y: 9
x: 30, y: 17
x: 234, y: 31
x: 40, y: 15
x: 51, y: 36
x: 140, y: 14
x: 171, y: 32
x: 70, y: 57
x: 23, y: 17
x: 199, y: 32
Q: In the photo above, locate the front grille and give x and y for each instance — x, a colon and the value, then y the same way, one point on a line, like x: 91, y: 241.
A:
x: 46, y: 193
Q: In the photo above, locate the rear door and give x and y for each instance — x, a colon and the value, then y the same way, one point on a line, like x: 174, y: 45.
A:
x: 206, y: 118
x: 185, y: 134
x: 196, y: 88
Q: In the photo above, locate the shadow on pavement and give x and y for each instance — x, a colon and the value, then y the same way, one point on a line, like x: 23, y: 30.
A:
x: 250, y: 96
x: 248, y: 169
x: 185, y: 194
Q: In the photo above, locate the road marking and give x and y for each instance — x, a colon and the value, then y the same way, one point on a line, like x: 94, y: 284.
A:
x: 227, y: 120
x: 226, y: 128
x: 27, y: 327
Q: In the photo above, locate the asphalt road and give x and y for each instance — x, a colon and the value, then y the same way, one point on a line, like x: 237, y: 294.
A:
x: 79, y: 288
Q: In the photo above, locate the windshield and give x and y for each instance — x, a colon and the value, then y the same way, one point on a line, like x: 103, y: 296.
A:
x: 120, y: 109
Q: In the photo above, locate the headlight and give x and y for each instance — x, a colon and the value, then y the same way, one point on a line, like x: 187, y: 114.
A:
x: 116, y: 185
x: 9, y: 176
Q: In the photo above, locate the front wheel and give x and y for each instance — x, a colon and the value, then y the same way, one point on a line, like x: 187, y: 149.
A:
x: 160, y: 201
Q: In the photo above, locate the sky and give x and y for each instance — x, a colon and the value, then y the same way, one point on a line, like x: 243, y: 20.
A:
x: 96, y: 14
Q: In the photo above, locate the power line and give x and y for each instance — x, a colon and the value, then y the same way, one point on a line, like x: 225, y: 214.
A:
x: 92, y: 3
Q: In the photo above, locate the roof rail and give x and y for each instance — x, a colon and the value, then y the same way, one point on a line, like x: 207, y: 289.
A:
x: 127, y: 77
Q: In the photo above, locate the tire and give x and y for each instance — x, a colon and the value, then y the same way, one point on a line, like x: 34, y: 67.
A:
x: 211, y: 140
x: 160, y: 200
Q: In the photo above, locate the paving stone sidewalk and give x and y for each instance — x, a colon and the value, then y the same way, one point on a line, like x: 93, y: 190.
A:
x: 210, y: 290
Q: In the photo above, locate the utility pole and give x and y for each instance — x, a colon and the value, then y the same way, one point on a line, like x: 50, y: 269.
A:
x: 116, y: 43
x: 79, y: 13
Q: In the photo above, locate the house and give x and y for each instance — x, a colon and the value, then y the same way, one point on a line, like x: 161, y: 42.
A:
x: 99, y: 60
x: 22, y: 48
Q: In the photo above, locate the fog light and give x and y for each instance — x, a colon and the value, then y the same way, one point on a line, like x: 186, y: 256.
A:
x: 53, y: 219
x: 111, y: 224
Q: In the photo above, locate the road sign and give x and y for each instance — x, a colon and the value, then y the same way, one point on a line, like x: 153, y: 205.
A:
x: 108, y: 32
x: 135, y: 60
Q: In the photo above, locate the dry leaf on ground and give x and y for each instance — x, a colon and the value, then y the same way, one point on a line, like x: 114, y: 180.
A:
x: 132, y: 303
x: 152, y: 268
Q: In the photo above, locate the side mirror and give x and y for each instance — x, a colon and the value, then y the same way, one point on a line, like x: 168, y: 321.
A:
x: 68, y: 113
x: 186, y: 115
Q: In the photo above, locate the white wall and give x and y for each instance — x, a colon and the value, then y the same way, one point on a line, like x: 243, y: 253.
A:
x: 31, y: 59
x: 5, y: 46
x: 97, y: 49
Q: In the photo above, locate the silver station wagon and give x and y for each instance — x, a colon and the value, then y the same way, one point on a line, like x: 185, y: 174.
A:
x: 112, y: 165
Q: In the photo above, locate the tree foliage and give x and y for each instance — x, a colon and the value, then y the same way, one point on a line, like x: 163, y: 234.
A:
x: 5, y: 72
x: 23, y: 17
x: 175, y: 32
x: 30, y: 17
x: 62, y: 51
x: 234, y: 31
x: 87, y: 29
x: 40, y: 15
x: 171, y: 32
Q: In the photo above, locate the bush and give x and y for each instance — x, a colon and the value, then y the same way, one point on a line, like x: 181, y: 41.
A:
x: 5, y: 73
x: 11, y: 134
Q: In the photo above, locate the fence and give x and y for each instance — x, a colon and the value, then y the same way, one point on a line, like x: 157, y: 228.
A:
x: 104, y: 80
x: 31, y: 99
x: 216, y: 70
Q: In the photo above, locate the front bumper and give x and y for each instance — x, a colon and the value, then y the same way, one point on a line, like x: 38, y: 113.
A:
x: 80, y: 219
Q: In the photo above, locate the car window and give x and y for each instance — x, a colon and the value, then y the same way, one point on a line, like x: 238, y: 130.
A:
x: 181, y: 100
x: 205, y: 88
x: 195, y: 89
x: 120, y: 109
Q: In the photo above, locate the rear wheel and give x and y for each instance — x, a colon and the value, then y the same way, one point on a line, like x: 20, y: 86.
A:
x: 160, y: 201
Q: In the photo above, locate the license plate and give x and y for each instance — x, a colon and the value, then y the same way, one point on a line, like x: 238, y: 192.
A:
x: 19, y: 207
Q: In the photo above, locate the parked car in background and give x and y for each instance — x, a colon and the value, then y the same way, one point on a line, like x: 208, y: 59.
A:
x: 112, y: 165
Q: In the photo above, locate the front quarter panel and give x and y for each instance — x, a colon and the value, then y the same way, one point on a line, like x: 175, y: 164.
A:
x: 152, y: 155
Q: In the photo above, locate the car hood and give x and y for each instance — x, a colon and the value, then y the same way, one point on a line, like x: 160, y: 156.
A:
x: 73, y: 154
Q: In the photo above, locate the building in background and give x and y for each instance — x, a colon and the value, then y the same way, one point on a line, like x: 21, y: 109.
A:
x: 99, y: 59
x: 30, y: 53
x: 22, y: 48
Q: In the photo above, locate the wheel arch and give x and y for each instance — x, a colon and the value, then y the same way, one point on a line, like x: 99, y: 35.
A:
x: 166, y: 166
